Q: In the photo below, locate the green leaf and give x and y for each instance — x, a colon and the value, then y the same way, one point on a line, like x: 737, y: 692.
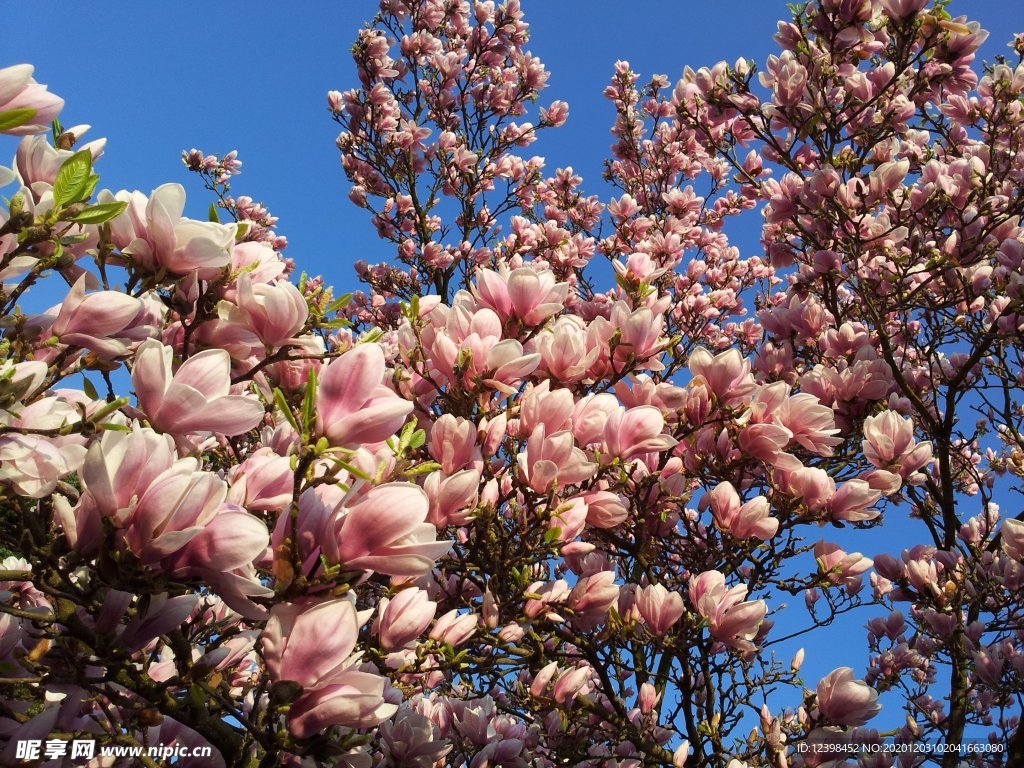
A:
x: 89, y: 389
x: 56, y: 129
x: 90, y: 185
x: 12, y: 118
x: 286, y: 410
x: 352, y: 470
x: 72, y: 179
x: 98, y: 214
x: 418, y: 438
x: 309, y: 403
x: 213, y: 215
x: 108, y: 409
x: 406, y: 434
x: 110, y: 427
x: 341, y: 322
x: 423, y: 469
x: 338, y: 303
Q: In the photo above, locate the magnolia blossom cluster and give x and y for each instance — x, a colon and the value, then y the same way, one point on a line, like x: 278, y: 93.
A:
x: 485, y: 513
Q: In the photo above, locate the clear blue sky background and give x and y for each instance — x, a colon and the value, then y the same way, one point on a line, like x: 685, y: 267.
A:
x: 156, y: 78
x: 159, y: 77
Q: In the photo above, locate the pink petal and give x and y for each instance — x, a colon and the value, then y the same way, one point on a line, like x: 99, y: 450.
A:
x: 382, y: 516
x: 150, y: 374
x: 347, y: 383
x: 209, y: 373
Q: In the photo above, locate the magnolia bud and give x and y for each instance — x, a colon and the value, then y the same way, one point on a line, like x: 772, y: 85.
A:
x: 648, y: 698
x: 810, y: 598
x: 679, y: 756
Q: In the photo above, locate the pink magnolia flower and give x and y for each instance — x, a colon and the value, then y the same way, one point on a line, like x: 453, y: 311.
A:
x: 818, y: 491
x: 153, y: 232
x: 901, y: 9
x: 162, y: 614
x: 640, y: 337
x: 767, y: 442
x: 727, y: 374
x: 846, y: 701
x: 353, y: 405
x: 639, y: 430
x: 307, y: 641
x: 543, y: 678
x: 526, y: 294
x: 196, y: 398
x: 605, y: 509
x: 659, y: 608
x: 566, y: 349
x: 274, y: 312
x: 591, y: 599
x: 386, y: 531
x: 778, y: 420
x: 467, y: 346
x: 20, y: 381
x: 37, y: 161
x: 292, y: 373
x: 93, y: 322
x: 492, y: 432
x: 121, y: 466
x: 175, y: 507
x: 889, y: 445
x: 787, y: 77
x: 232, y: 540
x: 263, y: 482
x: 311, y: 643
x: 33, y: 465
x: 553, y: 462
x: 18, y: 90
x: 571, y: 683
x: 261, y: 262
x: 731, y: 620
x: 222, y: 555
x: 638, y: 268
x: 542, y: 405
x: 568, y: 518
x: 454, y: 628
x: 647, y: 698
x: 404, y: 618
x: 590, y: 414
x: 556, y: 114
x: 839, y: 567
x: 887, y: 178
x: 453, y: 499
x: 453, y: 444
x: 812, y: 424
x: 236, y: 649
x: 744, y: 521
x: 117, y: 470
x: 507, y: 364
x: 382, y: 530
x: 412, y: 739
x: 550, y: 594
x: 1012, y: 535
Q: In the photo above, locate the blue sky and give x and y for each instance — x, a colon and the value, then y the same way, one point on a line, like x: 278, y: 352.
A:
x: 156, y: 78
